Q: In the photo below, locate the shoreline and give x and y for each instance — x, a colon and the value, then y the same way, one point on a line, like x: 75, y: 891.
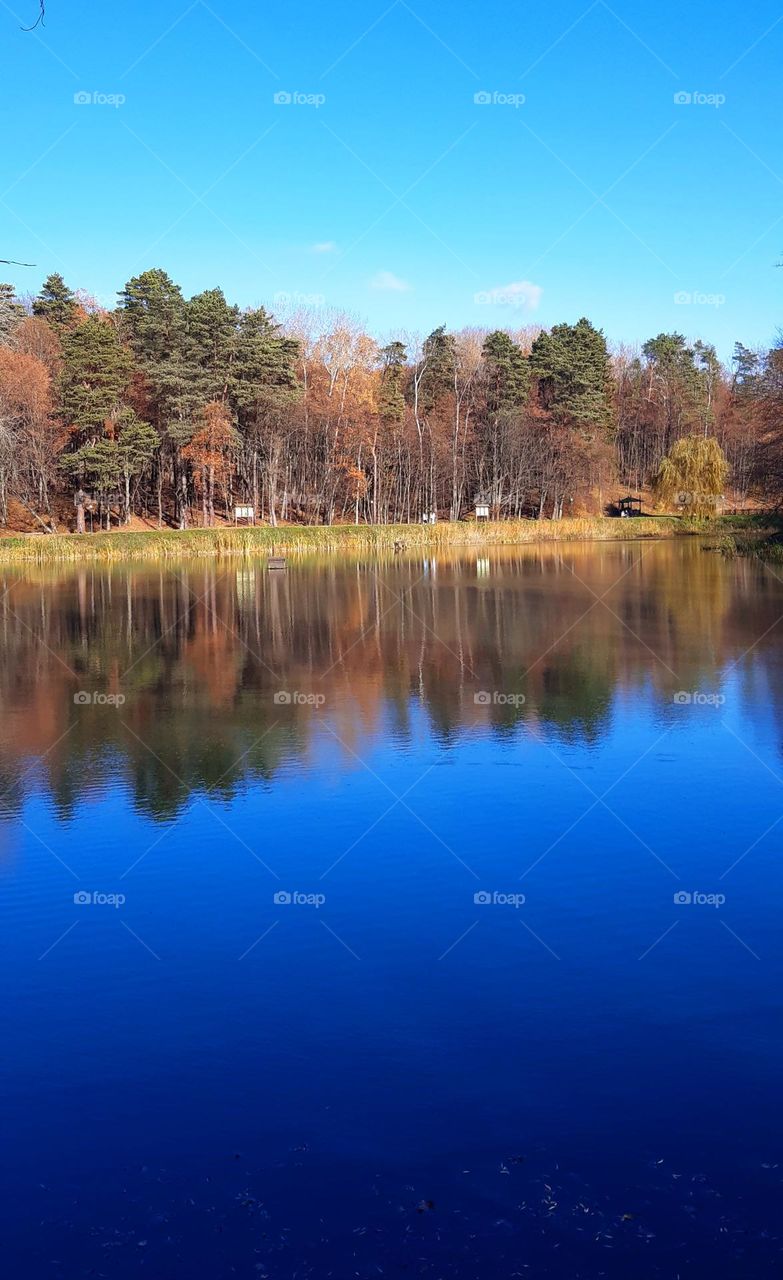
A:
x: 289, y: 539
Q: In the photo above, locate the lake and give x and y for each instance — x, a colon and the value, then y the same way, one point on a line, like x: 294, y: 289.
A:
x: 399, y: 916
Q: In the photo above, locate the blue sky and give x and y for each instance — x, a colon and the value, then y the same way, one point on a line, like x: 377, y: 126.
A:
x: 387, y: 189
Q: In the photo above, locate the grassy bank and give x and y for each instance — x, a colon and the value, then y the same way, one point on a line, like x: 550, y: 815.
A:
x: 164, y: 543
x: 768, y: 549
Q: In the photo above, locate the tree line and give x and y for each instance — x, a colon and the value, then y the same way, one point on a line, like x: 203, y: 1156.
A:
x: 177, y: 409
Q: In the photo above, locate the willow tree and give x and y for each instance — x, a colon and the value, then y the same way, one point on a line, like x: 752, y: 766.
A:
x: 693, y: 475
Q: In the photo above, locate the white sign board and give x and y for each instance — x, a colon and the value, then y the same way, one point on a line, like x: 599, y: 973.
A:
x: 244, y: 513
x: 482, y: 512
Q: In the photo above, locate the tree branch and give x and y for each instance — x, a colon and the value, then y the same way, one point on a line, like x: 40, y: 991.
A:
x: 40, y: 20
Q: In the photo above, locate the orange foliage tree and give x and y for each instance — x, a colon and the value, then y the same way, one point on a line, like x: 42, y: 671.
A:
x: 30, y: 438
x: 210, y: 453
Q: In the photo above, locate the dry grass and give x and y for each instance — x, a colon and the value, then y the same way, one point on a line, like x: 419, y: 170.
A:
x: 165, y: 543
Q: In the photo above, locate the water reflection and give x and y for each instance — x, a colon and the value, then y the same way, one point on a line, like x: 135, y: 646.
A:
x: 206, y: 675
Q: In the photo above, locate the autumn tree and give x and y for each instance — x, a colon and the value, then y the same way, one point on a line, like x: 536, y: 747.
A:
x: 30, y: 438
x: 34, y: 337
x: 209, y: 451
x: 693, y: 475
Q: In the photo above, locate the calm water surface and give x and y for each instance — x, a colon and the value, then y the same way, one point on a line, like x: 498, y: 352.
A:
x: 381, y: 969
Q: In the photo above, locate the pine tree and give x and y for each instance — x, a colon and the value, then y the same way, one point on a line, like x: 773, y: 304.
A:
x: 152, y: 320
x: 56, y: 304
x: 674, y: 382
x: 263, y: 373
x: 136, y: 443
x: 571, y: 365
x: 211, y: 332
x: 391, y: 397
x: 11, y: 312
x: 438, y: 358
x: 95, y: 375
x: 508, y: 373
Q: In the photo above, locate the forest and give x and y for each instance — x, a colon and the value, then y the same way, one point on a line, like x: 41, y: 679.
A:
x: 173, y: 410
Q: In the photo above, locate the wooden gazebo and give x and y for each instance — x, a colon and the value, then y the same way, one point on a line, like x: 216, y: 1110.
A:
x: 629, y: 506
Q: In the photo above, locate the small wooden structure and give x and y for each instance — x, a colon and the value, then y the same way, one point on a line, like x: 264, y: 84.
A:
x: 629, y: 506
x: 482, y: 506
x: 244, y: 513
x: 276, y: 562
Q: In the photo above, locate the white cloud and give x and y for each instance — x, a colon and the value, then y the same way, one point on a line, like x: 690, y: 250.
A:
x: 324, y: 246
x: 391, y: 283
x: 520, y: 294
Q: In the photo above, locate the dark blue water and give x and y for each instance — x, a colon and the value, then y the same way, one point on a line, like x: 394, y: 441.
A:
x: 386, y: 1075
